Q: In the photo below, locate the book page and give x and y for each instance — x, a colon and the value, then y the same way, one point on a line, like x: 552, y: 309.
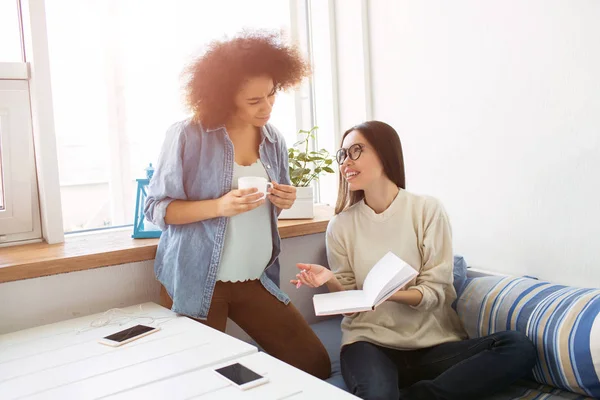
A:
x: 398, y: 283
x: 403, y: 276
x: 339, y: 302
x: 381, y: 275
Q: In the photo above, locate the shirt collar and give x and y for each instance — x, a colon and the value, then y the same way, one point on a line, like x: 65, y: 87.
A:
x: 264, y: 131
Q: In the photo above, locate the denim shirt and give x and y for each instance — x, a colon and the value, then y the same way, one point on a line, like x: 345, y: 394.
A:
x: 197, y: 164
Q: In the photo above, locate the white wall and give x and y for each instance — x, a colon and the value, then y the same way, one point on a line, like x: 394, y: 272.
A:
x: 497, y: 104
x: 28, y: 303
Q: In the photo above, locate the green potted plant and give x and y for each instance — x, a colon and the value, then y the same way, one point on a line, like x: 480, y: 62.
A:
x: 305, y: 168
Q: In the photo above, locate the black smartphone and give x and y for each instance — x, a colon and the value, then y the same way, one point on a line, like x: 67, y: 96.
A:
x: 128, y: 335
x: 241, y: 376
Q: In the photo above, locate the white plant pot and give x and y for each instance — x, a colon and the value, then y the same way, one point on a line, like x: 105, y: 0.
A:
x: 303, y: 206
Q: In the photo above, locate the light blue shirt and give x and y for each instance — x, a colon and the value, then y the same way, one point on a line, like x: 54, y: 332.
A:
x: 248, y: 244
x: 197, y: 164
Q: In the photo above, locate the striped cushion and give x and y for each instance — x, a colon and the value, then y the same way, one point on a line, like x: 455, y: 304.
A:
x: 563, y: 322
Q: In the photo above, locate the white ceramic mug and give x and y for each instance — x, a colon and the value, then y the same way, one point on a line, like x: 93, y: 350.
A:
x: 248, y: 182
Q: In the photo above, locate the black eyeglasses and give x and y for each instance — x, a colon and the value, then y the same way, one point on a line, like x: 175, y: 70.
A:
x: 353, y: 152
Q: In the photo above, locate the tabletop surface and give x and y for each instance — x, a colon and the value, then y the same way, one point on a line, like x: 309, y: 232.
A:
x: 66, y: 361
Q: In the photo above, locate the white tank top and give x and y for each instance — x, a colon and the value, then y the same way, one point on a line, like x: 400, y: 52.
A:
x: 248, y: 241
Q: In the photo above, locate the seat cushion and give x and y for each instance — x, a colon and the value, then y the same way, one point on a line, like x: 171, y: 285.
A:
x: 330, y: 333
x: 563, y: 323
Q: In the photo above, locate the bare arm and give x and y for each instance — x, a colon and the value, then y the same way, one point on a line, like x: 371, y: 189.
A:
x: 411, y: 297
x: 181, y: 212
x: 334, y: 285
x: 314, y: 275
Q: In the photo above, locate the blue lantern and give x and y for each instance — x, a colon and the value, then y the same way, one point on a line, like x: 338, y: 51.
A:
x: 143, y: 229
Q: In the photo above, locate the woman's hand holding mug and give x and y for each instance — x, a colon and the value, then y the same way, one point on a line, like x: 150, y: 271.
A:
x: 239, y: 201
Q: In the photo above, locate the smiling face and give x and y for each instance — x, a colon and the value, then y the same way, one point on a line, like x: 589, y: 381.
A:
x: 366, y: 170
x: 254, y: 101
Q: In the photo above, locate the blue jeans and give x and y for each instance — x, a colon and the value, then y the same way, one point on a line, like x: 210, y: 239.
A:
x: 467, y: 369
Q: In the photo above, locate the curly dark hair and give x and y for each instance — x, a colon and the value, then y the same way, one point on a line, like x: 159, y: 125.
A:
x: 214, y: 78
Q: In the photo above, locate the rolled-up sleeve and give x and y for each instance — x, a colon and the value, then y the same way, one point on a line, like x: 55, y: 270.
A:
x: 166, y: 184
x: 436, y: 272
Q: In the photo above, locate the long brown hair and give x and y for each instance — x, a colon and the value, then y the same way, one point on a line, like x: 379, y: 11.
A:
x: 386, y: 142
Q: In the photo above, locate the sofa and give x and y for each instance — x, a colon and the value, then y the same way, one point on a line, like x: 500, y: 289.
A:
x: 563, y: 323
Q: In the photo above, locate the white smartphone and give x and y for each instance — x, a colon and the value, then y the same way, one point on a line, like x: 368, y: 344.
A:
x: 128, y: 335
x: 241, y: 376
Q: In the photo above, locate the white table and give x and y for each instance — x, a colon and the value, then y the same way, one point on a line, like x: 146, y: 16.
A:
x: 285, y: 382
x: 59, y: 361
x: 65, y: 361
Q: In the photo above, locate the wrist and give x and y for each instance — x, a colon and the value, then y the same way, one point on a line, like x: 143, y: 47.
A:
x: 217, y: 207
x: 411, y: 297
x: 334, y: 285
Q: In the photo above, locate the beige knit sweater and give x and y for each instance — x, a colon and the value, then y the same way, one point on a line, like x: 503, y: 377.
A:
x: 416, y: 229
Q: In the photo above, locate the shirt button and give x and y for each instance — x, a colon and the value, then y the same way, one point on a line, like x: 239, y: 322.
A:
x: 268, y: 166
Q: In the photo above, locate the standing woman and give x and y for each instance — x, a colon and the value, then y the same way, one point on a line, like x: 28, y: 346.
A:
x: 218, y: 254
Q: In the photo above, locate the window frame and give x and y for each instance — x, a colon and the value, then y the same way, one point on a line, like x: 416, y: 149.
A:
x: 19, y: 218
x: 36, y: 69
x: 35, y: 49
x: 39, y: 141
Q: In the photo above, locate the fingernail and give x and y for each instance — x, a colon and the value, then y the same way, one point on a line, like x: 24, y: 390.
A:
x: 298, y: 284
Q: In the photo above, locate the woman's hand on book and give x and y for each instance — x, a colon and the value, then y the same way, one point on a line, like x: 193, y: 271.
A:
x: 312, y: 275
x: 411, y: 297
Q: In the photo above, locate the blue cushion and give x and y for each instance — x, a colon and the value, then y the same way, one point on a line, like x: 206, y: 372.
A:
x: 563, y: 323
x: 330, y: 333
x: 460, y: 274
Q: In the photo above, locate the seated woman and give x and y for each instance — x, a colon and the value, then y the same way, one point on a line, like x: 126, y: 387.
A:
x: 412, y: 346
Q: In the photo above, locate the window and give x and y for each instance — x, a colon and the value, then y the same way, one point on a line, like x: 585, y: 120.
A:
x: 10, y: 32
x: 19, y: 218
x: 19, y: 209
x: 10, y: 50
x: 100, y: 80
x: 115, y: 68
x: 324, y: 84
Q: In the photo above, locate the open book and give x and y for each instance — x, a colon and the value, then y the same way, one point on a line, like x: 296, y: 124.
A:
x: 385, y: 278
